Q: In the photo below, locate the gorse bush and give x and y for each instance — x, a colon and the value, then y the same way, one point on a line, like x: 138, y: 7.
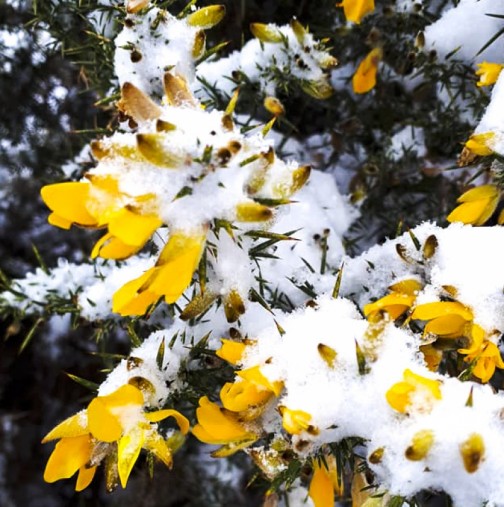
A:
x: 269, y: 321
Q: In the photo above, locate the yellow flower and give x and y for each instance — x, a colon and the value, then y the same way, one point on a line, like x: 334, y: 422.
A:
x: 481, y: 144
x: 131, y: 220
x: 355, y: 10
x: 421, y: 444
x: 472, y: 451
x: 219, y: 426
x: 231, y: 351
x: 364, y: 78
x: 411, y: 390
x: 255, y: 375
x: 488, y: 73
x: 477, y: 205
x: 324, y: 483
x: 116, y: 421
x: 447, y: 319
x: 400, y: 300
x: 168, y: 278
x: 484, y: 353
x: 296, y: 421
x: 244, y: 395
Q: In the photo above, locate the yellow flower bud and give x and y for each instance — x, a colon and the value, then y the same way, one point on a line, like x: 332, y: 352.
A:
x: 266, y: 33
x: 472, y: 451
x: 421, y: 443
x: 274, y: 106
x: 207, y: 17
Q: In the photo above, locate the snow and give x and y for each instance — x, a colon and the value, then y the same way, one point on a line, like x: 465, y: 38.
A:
x: 259, y: 61
x: 455, y: 30
x: 344, y: 397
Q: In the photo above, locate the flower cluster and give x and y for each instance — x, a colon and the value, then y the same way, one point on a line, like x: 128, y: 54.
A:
x: 158, y: 175
x: 374, y: 375
x: 113, y: 429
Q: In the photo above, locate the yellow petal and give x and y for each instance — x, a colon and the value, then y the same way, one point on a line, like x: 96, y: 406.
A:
x: 68, y: 202
x: 68, y: 456
x: 217, y: 427
x: 432, y: 386
x: 232, y: 447
x: 84, y: 478
x: 134, y: 229
x: 478, y: 193
x: 175, y: 267
x: 409, y: 287
x: 295, y: 421
x: 241, y: 396
x: 155, y: 149
x: 207, y: 17
x: 104, y: 412
x: 321, y: 486
x: 478, y: 205
x: 449, y: 326
x: 58, y: 221
x: 481, y: 144
x: 128, y: 450
x: 467, y: 213
x: 129, y: 301
x: 103, y: 425
x: 477, y: 337
x: 484, y: 369
x: 394, y: 304
x: 74, y: 426
x: 398, y: 396
x: 364, y: 78
x: 355, y: 10
x: 159, y: 415
x: 156, y: 444
x: 231, y: 351
x: 255, y: 376
x: 428, y: 311
x: 488, y: 72
x: 328, y: 354
x: 110, y: 247
x: 125, y: 395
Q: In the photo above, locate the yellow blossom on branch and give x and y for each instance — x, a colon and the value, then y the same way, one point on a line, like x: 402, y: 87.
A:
x: 97, y: 203
x: 401, y: 298
x: 447, y: 319
x: 488, y: 73
x: 476, y: 205
x: 484, y: 353
x: 168, y: 278
x: 355, y: 10
x: 364, y: 78
x: 481, y: 144
x: 244, y: 395
x: 231, y: 351
x: 115, y: 423
x: 219, y: 426
x: 296, y: 422
x: 413, y: 390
